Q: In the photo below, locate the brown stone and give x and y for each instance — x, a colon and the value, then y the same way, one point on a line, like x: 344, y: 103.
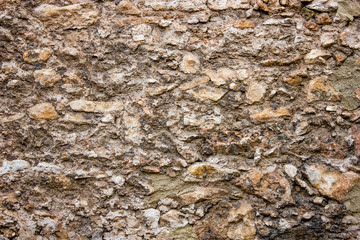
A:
x: 46, y: 77
x: 201, y: 194
x: 350, y: 37
x: 36, y: 55
x: 270, y: 114
x: 323, y: 18
x: 126, y: 7
x: 312, y: 26
x: 356, y: 137
x: 333, y: 184
x: 340, y: 57
x: 43, y: 111
x: 243, y: 23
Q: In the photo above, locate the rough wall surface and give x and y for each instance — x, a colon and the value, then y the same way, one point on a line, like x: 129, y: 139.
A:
x: 179, y: 119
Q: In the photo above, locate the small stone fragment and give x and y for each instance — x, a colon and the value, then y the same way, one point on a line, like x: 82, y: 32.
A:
x: 221, y: 76
x: 290, y: 170
x: 46, y: 77
x: 312, y: 26
x: 256, y: 92
x: 351, y: 37
x: 323, y: 5
x: 174, y: 219
x: 152, y: 217
x: 323, y: 18
x: 201, y: 194
x: 190, y: 63
x: 94, y: 106
x: 333, y: 184
x: 315, y: 55
x: 126, y: 7
x: 76, y: 118
x: 13, y: 166
x: 243, y: 23
x: 214, y: 94
x: 269, y: 114
x: 36, y: 55
x: 43, y: 111
x: 327, y: 39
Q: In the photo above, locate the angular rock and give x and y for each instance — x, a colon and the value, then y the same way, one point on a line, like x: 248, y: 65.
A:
x: 201, y: 194
x: 323, y: 5
x: 211, y: 93
x: 210, y: 172
x: 33, y: 56
x: 333, y: 184
x: 94, y: 106
x: 76, y: 16
x: 269, y: 183
x: 174, y: 219
x: 316, y: 55
x: 46, y: 77
x: 351, y: 37
x: 126, y: 7
x: 319, y: 89
x: 190, y: 63
x: 76, y: 118
x: 43, y: 111
x: 269, y: 114
x: 355, y: 132
x: 221, y: 76
x: 255, y: 92
x: 327, y: 39
x: 348, y: 9
x: 152, y: 217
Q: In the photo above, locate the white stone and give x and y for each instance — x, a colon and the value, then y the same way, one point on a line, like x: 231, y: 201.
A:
x: 118, y: 180
x: 256, y: 92
x: 13, y: 166
x: 152, y: 217
x: 290, y: 170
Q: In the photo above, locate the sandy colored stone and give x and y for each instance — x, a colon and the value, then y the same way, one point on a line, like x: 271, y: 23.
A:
x: 76, y: 118
x: 190, y: 63
x: 221, y: 76
x: 327, y: 39
x: 43, y: 111
x: 350, y: 37
x: 174, y: 219
x: 33, y: 56
x: 255, y: 92
x: 11, y: 118
x: 95, y: 106
x: 320, y: 86
x: 316, y: 55
x: 269, y: 114
x: 312, y: 26
x: 214, y: 94
x: 46, y: 77
x: 243, y: 23
x: 348, y: 9
x: 126, y: 7
x: 209, y: 172
x: 333, y: 184
x: 76, y: 16
x: 323, y: 18
x: 201, y: 194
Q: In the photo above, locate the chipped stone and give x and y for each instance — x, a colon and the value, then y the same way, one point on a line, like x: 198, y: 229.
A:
x: 43, y: 111
x: 94, y: 106
x: 46, y: 77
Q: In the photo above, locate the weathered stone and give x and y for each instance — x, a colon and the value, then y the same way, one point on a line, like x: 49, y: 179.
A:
x: 76, y: 16
x: 11, y: 118
x: 312, y: 26
x: 43, y: 111
x: 190, y: 63
x: 13, y: 166
x: 255, y: 92
x: 270, y: 114
x: 259, y: 181
x: 327, y: 39
x: 345, y: 81
x: 214, y: 94
x: 323, y: 18
x: 243, y: 23
x: 94, y: 106
x: 333, y: 184
x: 319, y: 88
x: 174, y: 219
x: 221, y: 76
x: 33, y: 56
x: 316, y: 55
x: 76, y: 118
x: 323, y: 5
x: 210, y: 172
x: 126, y: 7
x: 290, y: 170
x: 152, y: 217
x: 348, y: 9
x: 351, y: 37
x: 46, y: 77
x: 201, y: 194
x: 352, y: 199
x: 355, y: 131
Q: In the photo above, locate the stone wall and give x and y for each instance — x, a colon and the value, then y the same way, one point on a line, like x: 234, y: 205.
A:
x: 179, y: 119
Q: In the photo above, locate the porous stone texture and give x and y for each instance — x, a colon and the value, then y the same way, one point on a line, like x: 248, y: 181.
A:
x: 180, y: 119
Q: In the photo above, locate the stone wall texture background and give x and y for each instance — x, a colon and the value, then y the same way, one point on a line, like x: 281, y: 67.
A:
x: 179, y: 119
